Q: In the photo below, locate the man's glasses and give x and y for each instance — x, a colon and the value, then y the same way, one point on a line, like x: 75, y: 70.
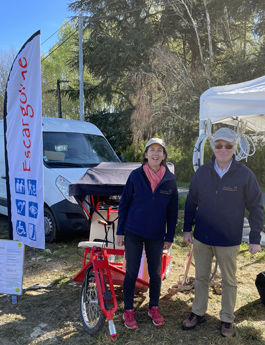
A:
x: 220, y: 146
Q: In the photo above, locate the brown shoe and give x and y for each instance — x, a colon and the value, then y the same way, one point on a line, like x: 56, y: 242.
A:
x: 192, y: 321
x: 227, y: 329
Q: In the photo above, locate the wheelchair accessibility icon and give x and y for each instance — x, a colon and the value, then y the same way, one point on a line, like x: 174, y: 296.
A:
x: 21, y: 228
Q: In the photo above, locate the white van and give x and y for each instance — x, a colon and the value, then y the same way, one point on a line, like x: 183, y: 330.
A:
x: 70, y: 147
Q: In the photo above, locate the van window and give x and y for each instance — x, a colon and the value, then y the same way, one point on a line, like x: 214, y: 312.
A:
x: 76, y: 149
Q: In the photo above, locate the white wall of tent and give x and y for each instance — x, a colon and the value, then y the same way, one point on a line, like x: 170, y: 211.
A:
x: 241, y: 106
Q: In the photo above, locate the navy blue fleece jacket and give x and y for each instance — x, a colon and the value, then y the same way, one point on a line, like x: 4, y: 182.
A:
x: 217, y: 206
x: 148, y: 214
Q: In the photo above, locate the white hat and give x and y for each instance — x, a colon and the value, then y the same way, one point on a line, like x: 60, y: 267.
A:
x: 226, y: 134
x: 155, y: 141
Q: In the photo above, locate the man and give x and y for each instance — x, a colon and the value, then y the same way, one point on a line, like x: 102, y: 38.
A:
x: 219, y: 192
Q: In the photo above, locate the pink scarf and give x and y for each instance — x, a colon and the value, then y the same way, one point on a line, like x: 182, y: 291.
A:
x: 154, y: 178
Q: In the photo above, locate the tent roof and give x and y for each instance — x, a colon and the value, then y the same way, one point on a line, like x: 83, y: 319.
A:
x: 230, y: 103
x: 107, y: 178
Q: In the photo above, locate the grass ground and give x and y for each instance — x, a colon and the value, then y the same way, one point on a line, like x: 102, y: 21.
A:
x: 51, y: 315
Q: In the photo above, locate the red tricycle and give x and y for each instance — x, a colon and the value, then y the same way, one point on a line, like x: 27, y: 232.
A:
x: 98, y: 193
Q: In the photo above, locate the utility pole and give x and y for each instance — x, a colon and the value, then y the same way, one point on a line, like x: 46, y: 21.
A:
x: 81, y: 79
x: 59, y: 96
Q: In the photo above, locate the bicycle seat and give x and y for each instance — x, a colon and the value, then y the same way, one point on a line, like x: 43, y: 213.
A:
x: 101, y: 244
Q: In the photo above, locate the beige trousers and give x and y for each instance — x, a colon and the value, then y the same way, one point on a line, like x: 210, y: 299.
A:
x: 226, y: 258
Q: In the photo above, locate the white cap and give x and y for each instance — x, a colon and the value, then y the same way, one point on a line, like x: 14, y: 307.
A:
x: 155, y: 141
x: 226, y: 134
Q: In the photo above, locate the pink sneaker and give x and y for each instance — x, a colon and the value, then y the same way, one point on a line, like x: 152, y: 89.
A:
x: 129, y: 320
x: 157, y: 319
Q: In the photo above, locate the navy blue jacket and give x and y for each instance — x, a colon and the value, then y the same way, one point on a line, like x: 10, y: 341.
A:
x: 148, y: 214
x: 217, y: 206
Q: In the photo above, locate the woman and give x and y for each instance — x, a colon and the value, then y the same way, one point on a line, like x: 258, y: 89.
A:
x: 147, y: 218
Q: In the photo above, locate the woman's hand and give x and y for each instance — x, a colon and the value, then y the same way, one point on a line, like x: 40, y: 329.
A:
x: 120, y: 240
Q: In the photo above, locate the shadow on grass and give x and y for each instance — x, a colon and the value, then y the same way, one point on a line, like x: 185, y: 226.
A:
x: 249, y: 333
x: 254, y: 310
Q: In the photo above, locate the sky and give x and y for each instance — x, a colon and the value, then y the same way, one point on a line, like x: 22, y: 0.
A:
x: 19, y: 19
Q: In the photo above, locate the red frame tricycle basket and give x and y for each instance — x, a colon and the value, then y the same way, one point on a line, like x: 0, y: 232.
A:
x: 116, y: 270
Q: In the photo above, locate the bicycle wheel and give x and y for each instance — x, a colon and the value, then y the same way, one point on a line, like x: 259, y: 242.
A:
x: 91, y: 315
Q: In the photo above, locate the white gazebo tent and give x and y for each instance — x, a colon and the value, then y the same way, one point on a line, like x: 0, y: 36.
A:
x: 240, y: 105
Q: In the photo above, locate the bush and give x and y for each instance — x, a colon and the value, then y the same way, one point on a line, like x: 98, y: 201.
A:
x: 179, y: 226
x: 130, y: 155
x: 257, y: 164
x: 182, y: 201
x: 184, y: 162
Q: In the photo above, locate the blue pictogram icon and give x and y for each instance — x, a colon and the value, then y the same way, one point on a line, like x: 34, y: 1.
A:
x: 21, y: 207
x: 21, y: 228
x: 32, y: 232
x: 20, y: 185
x: 33, y: 209
x: 32, y: 187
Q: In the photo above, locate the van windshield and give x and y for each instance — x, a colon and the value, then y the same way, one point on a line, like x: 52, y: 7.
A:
x: 76, y: 149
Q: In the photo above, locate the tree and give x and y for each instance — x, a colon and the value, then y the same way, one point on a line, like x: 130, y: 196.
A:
x: 160, y: 57
x: 115, y: 126
x: 56, y: 66
x: 116, y: 47
x: 6, y: 61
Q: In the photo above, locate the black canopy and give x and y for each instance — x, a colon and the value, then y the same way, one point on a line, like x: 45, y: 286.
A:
x: 105, y: 179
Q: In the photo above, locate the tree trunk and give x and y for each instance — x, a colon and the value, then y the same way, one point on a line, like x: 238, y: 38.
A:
x: 206, y: 67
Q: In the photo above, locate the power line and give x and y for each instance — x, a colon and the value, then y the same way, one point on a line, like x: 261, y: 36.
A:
x: 59, y: 45
x: 58, y: 30
x: 93, y: 20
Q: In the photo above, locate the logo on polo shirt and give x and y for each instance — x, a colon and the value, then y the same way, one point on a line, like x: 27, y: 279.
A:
x: 165, y: 191
x: 230, y: 189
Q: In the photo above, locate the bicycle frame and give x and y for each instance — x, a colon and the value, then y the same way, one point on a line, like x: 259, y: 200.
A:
x: 101, y: 268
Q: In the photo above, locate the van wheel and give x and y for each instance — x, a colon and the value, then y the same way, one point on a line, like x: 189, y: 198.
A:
x: 50, y: 226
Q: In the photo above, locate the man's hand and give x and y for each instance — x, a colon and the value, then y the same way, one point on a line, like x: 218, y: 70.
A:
x: 254, y: 248
x: 120, y: 240
x: 187, y: 237
x: 167, y: 245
